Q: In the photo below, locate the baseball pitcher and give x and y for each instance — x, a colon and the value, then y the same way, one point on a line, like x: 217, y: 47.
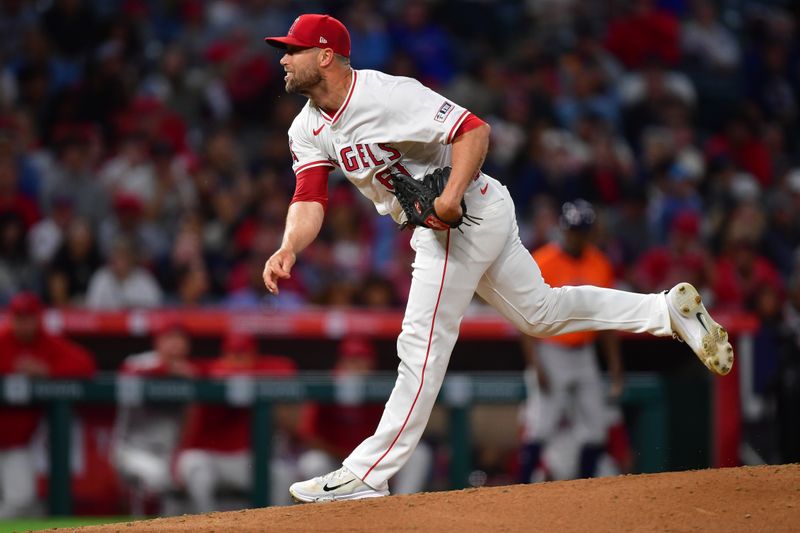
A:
x: 418, y: 156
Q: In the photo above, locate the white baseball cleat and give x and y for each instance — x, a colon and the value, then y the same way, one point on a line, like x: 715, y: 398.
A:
x: 692, y: 324
x: 338, y: 485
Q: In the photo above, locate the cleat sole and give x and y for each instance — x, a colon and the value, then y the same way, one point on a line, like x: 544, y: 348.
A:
x: 715, y: 352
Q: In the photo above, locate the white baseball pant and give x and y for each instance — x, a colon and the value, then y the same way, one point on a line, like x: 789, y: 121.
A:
x: 448, y: 269
x: 204, y: 472
x: 17, y: 482
x: 149, y: 469
x: 575, y: 388
x: 413, y: 477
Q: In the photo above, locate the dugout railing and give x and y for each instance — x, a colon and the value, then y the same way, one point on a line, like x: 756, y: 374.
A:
x: 644, y: 393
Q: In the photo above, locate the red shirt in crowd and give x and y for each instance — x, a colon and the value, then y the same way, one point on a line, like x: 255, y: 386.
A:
x: 733, y: 291
x: 660, y: 268
x: 62, y: 358
x: 23, y: 207
x: 637, y: 38
x: 222, y: 428
x: 750, y: 154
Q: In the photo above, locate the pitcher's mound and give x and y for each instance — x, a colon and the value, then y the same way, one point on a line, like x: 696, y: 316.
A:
x: 764, y: 498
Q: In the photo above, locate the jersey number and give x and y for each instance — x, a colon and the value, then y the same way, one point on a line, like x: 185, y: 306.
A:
x: 385, y: 177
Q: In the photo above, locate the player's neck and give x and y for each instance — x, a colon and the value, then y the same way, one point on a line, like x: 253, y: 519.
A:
x: 332, y: 92
x: 572, y: 250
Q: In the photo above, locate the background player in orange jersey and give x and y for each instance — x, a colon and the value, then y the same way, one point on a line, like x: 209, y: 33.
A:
x: 563, y: 376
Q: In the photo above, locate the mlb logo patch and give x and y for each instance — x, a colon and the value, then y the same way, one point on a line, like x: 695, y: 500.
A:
x: 444, y: 110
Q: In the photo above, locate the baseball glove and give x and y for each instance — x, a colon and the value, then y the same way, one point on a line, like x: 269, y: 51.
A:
x: 416, y: 198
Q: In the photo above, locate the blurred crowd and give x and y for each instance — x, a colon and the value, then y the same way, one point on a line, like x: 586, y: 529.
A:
x: 143, y: 154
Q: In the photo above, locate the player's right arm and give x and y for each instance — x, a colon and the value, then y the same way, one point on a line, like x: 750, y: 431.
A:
x: 307, y: 209
x: 303, y: 223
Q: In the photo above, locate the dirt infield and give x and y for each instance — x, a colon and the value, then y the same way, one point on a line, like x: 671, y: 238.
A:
x: 753, y: 499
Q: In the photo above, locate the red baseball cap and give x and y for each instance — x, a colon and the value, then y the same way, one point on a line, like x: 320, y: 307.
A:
x: 320, y: 31
x: 357, y: 347
x: 239, y: 342
x: 25, y: 303
x: 170, y: 325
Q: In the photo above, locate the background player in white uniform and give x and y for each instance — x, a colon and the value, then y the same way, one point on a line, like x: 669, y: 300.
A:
x: 563, y: 379
x: 366, y: 122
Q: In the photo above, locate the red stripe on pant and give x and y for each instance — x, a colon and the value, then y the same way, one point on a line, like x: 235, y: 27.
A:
x: 424, y: 365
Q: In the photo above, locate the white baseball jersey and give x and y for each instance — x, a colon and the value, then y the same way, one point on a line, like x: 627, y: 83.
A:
x: 384, y: 121
x: 387, y: 120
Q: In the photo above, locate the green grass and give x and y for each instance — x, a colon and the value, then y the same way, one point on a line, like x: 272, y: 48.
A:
x: 36, y: 524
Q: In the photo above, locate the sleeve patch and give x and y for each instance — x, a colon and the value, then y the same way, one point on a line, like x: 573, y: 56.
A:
x: 444, y: 110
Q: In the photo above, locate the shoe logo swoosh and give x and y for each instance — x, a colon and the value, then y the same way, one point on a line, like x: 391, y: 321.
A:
x: 326, y: 488
x: 702, y: 322
x: 484, y: 188
x: 316, y: 131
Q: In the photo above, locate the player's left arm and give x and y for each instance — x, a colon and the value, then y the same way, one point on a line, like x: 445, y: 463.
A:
x: 469, y: 151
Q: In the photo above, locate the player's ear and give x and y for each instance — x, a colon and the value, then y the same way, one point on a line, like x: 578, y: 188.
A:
x: 325, y: 57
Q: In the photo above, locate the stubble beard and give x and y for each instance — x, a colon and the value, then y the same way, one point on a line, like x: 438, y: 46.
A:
x: 303, y: 83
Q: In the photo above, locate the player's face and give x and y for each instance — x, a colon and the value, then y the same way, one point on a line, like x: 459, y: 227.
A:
x: 302, y: 70
x: 577, y: 239
x: 172, y: 346
x: 25, y: 326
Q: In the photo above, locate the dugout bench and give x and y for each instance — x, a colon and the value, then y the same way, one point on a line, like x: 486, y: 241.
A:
x: 646, y: 393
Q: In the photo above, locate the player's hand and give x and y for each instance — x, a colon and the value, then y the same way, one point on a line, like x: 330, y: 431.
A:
x: 279, y: 266
x: 616, y: 389
x: 181, y: 368
x: 447, y: 212
x: 32, y: 368
x: 542, y: 380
